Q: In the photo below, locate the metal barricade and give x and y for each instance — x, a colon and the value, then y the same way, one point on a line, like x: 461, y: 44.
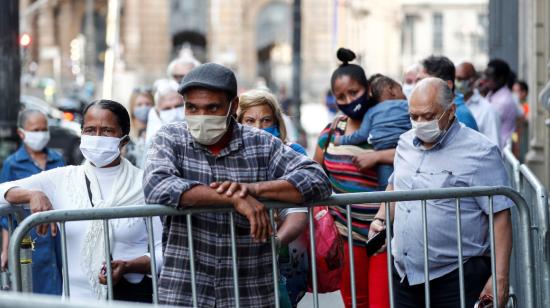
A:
x: 17, y: 213
x: 535, y: 194
x: 522, y: 240
x: 512, y: 165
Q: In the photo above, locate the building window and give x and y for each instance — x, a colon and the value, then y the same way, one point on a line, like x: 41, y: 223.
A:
x: 407, y: 38
x: 437, y: 33
x: 482, y: 45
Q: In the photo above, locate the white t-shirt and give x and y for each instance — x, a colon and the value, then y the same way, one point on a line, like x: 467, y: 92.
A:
x: 127, y: 243
x: 486, y: 116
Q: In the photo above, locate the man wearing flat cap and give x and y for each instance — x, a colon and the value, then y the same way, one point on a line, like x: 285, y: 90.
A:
x: 212, y: 160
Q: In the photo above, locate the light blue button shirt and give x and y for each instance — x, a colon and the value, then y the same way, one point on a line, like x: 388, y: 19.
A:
x: 461, y: 158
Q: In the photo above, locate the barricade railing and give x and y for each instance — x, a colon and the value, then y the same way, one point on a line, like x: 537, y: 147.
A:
x: 535, y: 193
x: 523, y: 246
x: 15, y: 213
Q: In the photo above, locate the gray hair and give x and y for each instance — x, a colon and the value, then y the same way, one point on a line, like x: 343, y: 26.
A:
x: 444, y: 94
x: 164, y: 87
x: 24, y: 116
x: 186, y: 60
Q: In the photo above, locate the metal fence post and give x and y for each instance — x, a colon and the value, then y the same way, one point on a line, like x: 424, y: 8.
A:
x: 26, y: 264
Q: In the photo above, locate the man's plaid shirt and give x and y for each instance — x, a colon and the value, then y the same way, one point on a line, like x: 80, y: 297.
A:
x: 175, y: 164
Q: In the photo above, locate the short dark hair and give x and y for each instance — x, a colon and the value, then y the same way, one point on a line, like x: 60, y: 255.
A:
x: 121, y: 114
x: 24, y: 116
x: 354, y: 71
x: 440, y: 67
x: 523, y: 85
x: 500, y: 70
x: 380, y: 84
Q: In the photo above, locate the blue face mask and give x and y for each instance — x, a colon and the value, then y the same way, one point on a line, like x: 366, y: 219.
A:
x: 142, y: 113
x: 356, y: 109
x: 273, y: 130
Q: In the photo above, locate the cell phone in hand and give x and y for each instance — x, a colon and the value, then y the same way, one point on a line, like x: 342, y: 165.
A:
x: 376, y: 242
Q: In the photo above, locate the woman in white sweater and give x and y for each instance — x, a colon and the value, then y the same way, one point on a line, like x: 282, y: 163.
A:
x: 104, y: 180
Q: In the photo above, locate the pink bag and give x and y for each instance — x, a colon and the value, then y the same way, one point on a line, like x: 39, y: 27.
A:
x: 329, y: 252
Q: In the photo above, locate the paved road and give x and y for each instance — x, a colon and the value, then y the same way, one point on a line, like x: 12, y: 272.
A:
x: 328, y: 300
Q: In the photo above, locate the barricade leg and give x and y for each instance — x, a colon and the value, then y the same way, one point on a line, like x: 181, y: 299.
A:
x: 234, y: 259
x: 460, y: 256
x: 26, y: 264
x: 153, y: 257
x: 191, y: 260
x: 64, y: 260
x: 351, y: 258
x: 389, y: 254
x: 313, y: 258
x: 426, y: 261
x: 274, y: 259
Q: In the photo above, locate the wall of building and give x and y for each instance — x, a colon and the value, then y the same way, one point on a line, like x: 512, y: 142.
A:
x: 463, y: 33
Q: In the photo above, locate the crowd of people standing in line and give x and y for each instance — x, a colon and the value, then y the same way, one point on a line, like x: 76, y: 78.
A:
x: 193, y: 140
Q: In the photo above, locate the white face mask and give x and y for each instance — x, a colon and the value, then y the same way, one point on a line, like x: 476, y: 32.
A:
x: 172, y: 115
x: 408, y: 89
x: 36, y: 140
x: 207, y: 129
x: 100, y: 150
x: 428, y: 131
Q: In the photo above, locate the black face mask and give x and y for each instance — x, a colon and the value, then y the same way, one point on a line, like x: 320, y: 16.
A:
x: 357, y: 109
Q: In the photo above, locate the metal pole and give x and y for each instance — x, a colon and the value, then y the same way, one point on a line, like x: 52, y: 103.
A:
x: 297, y: 61
x: 426, y: 261
x: 460, y: 259
x: 192, y: 259
x: 107, y: 246
x: 90, y: 45
x: 493, y: 253
x: 313, y: 258
x: 234, y: 258
x: 389, y: 252
x: 274, y: 259
x: 26, y: 264
x: 10, y: 75
x: 64, y: 260
x: 112, y: 40
x: 153, y: 258
x: 351, y: 258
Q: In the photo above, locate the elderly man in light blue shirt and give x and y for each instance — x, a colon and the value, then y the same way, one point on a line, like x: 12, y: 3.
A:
x: 440, y: 152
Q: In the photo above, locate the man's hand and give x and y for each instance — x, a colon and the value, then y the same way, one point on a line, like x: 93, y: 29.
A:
x: 257, y: 215
x: 376, y: 227
x: 39, y: 202
x: 366, y: 161
x: 502, y: 290
x: 230, y: 188
x: 118, y: 268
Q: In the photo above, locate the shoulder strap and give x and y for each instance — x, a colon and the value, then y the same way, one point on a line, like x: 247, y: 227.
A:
x: 333, y: 127
x: 89, y: 190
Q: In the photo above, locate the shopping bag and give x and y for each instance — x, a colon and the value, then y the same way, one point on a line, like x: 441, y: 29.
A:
x: 329, y: 252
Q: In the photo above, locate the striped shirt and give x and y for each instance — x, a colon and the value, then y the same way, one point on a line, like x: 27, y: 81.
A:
x: 176, y: 164
x: 346, y: 178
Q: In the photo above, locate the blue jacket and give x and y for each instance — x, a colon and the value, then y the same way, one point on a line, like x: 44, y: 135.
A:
x: 463, y: 114
x: 46, y: 256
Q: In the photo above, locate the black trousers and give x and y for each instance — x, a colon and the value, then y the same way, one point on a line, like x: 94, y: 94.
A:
x: 134, y: 292
x: 445, y: 291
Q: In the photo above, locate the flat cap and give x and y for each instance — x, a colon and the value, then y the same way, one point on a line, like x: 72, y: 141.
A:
x: 210, y: 76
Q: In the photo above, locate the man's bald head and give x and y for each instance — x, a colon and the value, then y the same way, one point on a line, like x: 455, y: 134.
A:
x: 432, y: 90
x: 465, y: 71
